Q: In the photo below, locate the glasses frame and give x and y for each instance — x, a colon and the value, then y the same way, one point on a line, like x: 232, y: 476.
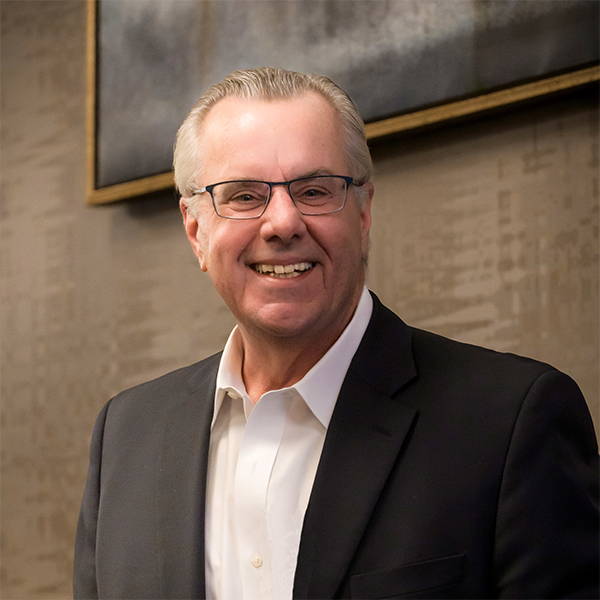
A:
x: 209, y: 188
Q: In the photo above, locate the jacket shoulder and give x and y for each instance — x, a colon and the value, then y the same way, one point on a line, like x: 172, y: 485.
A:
x: 390, y: 346
x: 443, y: 353
x: 169, y: 390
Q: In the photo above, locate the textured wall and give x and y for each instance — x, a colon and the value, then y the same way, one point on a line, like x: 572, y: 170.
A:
x: 487, y: 232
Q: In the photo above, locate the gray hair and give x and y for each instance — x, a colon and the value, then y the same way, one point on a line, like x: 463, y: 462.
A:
x: 267, y: 84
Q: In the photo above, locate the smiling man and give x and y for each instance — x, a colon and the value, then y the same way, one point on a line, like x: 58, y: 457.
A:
x: 292, y: 280
x: 330, y: 451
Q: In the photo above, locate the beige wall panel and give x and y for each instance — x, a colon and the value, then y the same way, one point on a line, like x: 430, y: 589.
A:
x: 94, y: 300
x: 486, y: 232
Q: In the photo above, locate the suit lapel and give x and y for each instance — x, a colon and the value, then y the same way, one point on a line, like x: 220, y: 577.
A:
x: 182, y: 468
x: 364, y: 438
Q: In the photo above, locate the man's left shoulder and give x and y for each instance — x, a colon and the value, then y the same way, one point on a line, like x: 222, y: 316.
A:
x: 471, y: 372
x: 435, y: 352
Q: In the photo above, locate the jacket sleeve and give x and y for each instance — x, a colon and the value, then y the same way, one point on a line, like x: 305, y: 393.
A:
x: 84, y: 574
x: 546, y: 543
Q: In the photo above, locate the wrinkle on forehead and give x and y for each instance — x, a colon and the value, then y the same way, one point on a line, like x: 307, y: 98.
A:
x: 239, y: 131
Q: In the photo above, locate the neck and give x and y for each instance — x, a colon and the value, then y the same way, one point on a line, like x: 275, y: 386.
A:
x: 274, y: 363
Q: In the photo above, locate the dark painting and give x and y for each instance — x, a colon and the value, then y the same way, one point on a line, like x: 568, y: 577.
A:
x: 156, y: 57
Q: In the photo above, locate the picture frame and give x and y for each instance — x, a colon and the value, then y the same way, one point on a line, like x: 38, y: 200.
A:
x: 125, y: 51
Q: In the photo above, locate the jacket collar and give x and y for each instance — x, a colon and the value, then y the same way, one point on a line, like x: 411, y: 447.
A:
x: 367, y: 430
x: 180, y: 503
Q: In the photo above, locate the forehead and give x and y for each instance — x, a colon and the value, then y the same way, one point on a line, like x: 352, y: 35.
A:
x: 291, y: 138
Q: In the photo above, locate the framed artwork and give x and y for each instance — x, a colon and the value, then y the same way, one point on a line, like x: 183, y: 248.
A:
x: 407, y: 64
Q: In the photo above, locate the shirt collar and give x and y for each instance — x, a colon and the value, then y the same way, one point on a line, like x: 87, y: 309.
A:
x: 320, y: 387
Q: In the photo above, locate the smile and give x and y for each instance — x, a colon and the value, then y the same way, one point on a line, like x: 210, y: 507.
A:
x: 283, y: 271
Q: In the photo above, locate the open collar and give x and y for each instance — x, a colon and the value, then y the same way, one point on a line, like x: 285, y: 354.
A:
x: 320, y: 387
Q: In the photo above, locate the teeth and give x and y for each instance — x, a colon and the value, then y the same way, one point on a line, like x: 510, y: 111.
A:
x: 283, y: 270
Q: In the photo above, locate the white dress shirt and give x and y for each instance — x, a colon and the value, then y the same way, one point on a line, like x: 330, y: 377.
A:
x: 262, y: 465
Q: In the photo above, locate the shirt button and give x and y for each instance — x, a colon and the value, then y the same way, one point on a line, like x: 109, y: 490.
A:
x: 257, y: 561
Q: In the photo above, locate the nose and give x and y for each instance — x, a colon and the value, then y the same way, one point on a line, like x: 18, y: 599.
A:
x: 282, y: 219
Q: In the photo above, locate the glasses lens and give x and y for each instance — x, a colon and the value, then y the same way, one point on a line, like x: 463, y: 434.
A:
x: 319, y: 195
x: 240, y: 199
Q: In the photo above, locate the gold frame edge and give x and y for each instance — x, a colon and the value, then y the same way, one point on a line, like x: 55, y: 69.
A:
x: 377, y: 129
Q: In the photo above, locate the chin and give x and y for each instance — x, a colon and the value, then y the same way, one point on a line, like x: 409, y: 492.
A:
x: 282, y: 328
x: 281, y: 321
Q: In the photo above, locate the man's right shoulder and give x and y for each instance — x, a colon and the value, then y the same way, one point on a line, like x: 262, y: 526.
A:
x: 169, y: 390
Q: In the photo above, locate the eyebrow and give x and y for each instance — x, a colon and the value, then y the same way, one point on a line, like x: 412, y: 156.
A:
x: 318, y: 172
x: 315, y: 173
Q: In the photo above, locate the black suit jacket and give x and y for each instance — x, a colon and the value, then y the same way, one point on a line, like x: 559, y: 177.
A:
x: 448, y: 471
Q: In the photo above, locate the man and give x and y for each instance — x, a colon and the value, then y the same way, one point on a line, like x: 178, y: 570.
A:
x: 330, y: 451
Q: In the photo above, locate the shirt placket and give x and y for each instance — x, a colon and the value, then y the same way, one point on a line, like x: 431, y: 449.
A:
x: 261, y: 442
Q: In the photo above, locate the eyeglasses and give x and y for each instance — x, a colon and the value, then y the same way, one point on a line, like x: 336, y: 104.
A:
x: 321, y: 195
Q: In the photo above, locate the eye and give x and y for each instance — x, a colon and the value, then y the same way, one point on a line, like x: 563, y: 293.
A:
x: 241, y: 195
x: 313, y: 192
x: 245, y: 197
x: 245, y: 201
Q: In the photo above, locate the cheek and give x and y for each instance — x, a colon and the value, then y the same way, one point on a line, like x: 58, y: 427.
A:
x: 358, y: 235
x: 207, y: 237
x: 203, y: 251
x: 365, y: 245
x: 225, y: 245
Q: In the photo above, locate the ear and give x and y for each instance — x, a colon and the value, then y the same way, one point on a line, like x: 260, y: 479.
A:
x: 194, y: 233
x: 365, y: 217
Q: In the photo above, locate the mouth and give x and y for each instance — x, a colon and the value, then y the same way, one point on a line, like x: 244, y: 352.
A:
x: 283, y: 271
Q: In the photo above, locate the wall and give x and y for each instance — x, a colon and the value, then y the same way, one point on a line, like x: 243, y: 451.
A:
x: 487, y: 232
